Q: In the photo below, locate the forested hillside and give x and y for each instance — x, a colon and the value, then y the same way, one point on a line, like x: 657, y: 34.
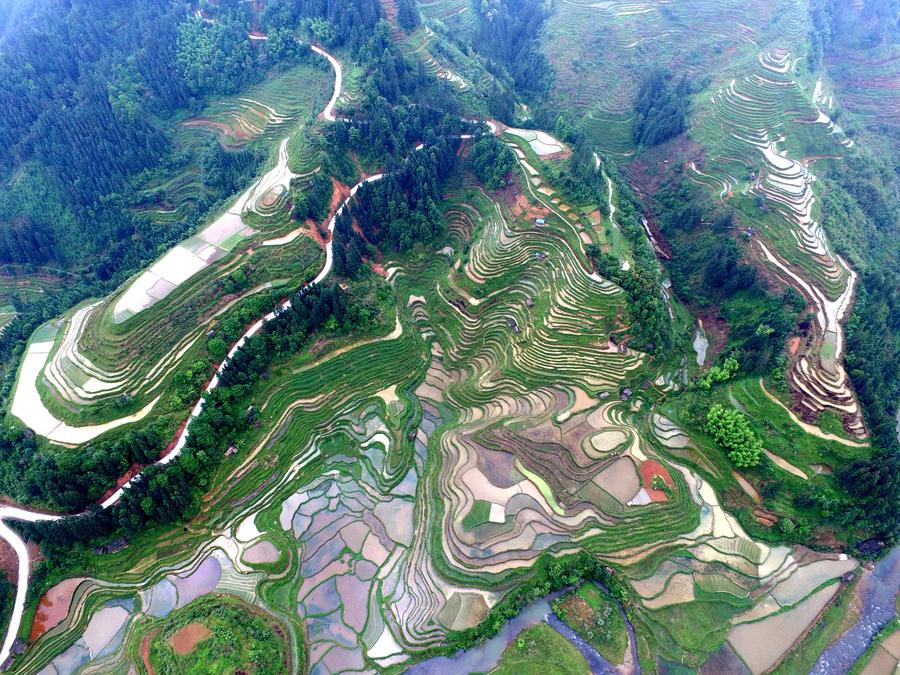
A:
x: 89, y: 89
x: 341, y: 336
x: 94, y: 96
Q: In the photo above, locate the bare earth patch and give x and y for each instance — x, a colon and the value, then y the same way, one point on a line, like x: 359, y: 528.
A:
x: 54, y: 606
x: 187, y: 638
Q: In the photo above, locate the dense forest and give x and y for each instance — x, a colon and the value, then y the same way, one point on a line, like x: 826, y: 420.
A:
x: 660, y: 107
x: 89, y: 113
x: 508, y: 37
x: 651, y: 327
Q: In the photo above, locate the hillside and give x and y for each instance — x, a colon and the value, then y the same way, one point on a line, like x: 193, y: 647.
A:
x: 394, y: 336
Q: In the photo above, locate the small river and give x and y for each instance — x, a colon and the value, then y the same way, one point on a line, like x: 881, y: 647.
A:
x: 877, y: 591
x: 485, y: 656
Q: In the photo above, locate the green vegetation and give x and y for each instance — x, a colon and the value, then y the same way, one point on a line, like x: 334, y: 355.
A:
x: 540, y: 649
x: 479, y: 514
x: 709, y: 271
x: 169, y: 494
x: 719, y: 374
x: 473, y: 410
x: 240, y: 638
x: 595, y: 617
x: 731, y: 430
x: 492, y: 162
x: 660, y: 108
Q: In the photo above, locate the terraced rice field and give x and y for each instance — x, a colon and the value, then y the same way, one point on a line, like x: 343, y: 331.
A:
x: 767, y: 117
x: 91, y: 378
x: 267, y: 111
x: 399, y: 485
x: 761, y: 124
x: 398, y: 488
x: 600, y: 49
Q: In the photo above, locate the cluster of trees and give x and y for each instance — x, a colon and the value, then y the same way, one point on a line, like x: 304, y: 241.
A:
x: 227, y: 171
x: 491, y: 161
x: 314, y: 200
x: 215, y: 57
x: 348, y: 23
x: 402, y: 208
x: 578, y: 177
x: 718, y: 374
x: 384, y: 131
x: 660, y: 107
x: 171, y: 493
x: 732, y: 431
x: 407, y: 14
x: 70, y: 481
x: 241, y: 634
x: 548, y: 574
x: 873, y: 352
x: 507, y: 36
x: 837, y: 24
x: 349, y: 248
x: 651, y: 327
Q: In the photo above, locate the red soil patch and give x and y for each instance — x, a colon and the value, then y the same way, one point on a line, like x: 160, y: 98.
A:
x: 186, y: 639
x: 133, y: 470
x: 54, y: 607
x: 145, y: 650
x: 654, y: 166
x: 562, y: 154
x: 649, y: 469
x: 793, y: 345
x: 716, y: 329
x: 515, y: 200
x: 9, y: 561
x: 339, y: 193
x: 390, y: 11
x: 765, y: 517
x: 578, y: 608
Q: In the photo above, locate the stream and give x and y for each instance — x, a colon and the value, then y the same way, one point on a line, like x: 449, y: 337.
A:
x: 877, y: 590
x: 484, y: 657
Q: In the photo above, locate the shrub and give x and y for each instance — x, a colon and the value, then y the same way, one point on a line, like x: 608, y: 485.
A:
x: 732, y: 431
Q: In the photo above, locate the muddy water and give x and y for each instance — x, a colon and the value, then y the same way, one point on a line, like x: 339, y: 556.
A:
x: 701, y: 344
x: 484, y: 657
x: 877, y: 590
x: 598, y: 665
